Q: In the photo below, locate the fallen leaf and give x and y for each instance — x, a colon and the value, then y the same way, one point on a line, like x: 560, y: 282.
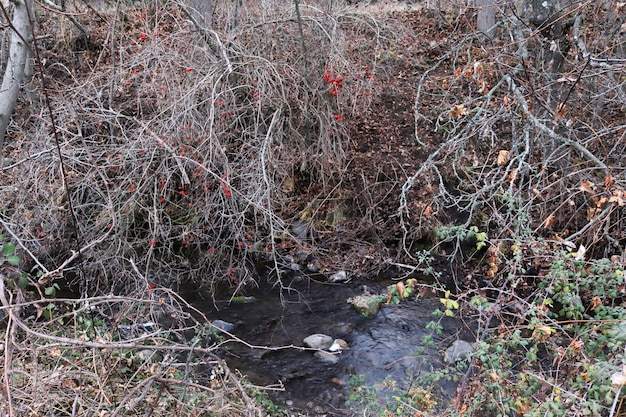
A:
x: 483, y: 88
x: 400, y: 288
x: 591, y: 213
x: 587, y: 186
x: 618, y: 379
x: 601, y: 201
x: 595, y: 302
x: 548, y: 221
x: 618, y: 197
x: 542, y: 332
x: 503, y: 157
x: 458, y: 111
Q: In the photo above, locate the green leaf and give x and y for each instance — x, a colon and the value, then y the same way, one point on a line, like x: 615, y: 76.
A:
x: 23, y: 281
x: 13, y: 260
x: 8, y: 249
x: 49, y: 291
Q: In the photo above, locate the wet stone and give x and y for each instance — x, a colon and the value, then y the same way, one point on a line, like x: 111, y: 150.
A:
x: 327, y: 357
x: 318, y: 341
x: 458, y: 351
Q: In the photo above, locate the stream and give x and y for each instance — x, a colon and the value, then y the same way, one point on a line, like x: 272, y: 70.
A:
x: 384, y: 348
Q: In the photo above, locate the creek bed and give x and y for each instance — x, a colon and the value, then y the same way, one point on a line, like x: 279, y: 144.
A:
x: 384, y: 348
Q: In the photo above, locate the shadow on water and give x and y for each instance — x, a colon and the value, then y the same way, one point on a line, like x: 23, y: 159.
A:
x: 387, y: 347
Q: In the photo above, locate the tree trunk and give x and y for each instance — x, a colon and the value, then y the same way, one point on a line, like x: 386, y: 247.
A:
x: 487, y: 16
x: 14, y: 74
x: 202, y: 11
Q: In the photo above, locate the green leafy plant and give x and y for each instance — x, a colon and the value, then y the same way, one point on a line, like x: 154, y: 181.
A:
x: 8, y: 253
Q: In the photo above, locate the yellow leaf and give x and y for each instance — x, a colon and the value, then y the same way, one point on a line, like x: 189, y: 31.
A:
x: 503, y: 157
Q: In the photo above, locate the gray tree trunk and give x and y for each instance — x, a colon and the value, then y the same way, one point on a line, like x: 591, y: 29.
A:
x: 202, y: 11
x: 14, y: 74
x: 487, y: 16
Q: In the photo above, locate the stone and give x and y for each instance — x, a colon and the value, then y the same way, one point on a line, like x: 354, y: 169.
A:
x: 300, y: 229
x: 366, y: 305
x: 224, y: 326
x: 327, y: 357
x: 318, y: 341
x: 338, y: 345
x: 341, y: 276
x: 458, y: 351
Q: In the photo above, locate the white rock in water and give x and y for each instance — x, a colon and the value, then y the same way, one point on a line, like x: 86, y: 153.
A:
x: 459, y: 350
x: 340, y: 276
x: 327, y: 357
x: 318, y: 341
x: 338, y: 345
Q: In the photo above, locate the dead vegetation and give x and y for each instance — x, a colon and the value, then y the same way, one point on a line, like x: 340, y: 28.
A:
x: 179, y: 153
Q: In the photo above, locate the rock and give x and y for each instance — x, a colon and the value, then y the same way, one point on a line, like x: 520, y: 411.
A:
x: 338, y: 345
x: 327, y: 357
x: 223, y: 326
x: 458, y: 351
x: 302, y: 256
x: 300, y: 230
x: 341, y: 276
x: 367, y: 305
x: 318, y: 341
x: 148, y: 355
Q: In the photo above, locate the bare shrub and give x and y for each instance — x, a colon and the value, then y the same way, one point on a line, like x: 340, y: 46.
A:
x: 140, y: 354
x: 532, y: 152
x: 181, y: 145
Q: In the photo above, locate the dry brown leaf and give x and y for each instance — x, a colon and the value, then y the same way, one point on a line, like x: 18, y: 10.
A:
x: 503, y: 157
x: 400, y: 288
x: 591, y: 213
x: 595, y: 302
x: 618, y: 197
x: 536, y: 192
x: 542, y: 332
x: 428, y: 211
x: 444, y: 84
x: 587, y: 186
x: 483, y: 88
x: 458, y: 111
x: 601, y: 201
x: 513, y: 176
x: 608, y: 181
x: 478, y: 69
x: 576, y: 346
x: 548, y: 221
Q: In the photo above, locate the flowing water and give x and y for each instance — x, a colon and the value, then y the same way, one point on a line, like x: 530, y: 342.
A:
x: 384, y: 348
